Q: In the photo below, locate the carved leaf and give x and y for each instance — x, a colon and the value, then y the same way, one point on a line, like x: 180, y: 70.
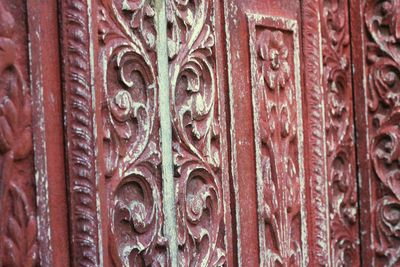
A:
x: 20, y: 233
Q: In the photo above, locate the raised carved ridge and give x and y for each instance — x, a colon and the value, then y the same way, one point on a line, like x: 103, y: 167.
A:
x: 339, y: 131
x: 276, y: 96
x: 316, y: 136
x: 18, y: 236
x: 382, y: 20
x: 196, y: 133
x: 130, y: 123
x: 78, y: 112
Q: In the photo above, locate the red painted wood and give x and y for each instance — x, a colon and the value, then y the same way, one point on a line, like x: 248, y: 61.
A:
x: 376, y: 77
x: 340, y: 138
x: 284, y: 144
x: 33, y: 191
x: 254, y: 31
x: 199, y: 133
x: 48, y: 132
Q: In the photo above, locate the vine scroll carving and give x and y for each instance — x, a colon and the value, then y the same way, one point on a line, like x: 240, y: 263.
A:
x: 197, y: 152
x: 382, y: 40
x: 130, y: 120
x: 340, y: 148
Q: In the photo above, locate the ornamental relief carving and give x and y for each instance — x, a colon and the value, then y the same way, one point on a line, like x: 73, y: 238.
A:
x: 196, y: 133
x: 18, y: 236
x: 382, y: 20
x: 339, y: 134
x: 131, y: 133
x: 275, y: 85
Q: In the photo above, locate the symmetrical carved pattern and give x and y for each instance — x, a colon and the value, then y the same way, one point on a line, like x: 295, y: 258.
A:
x: 339, y: 134
x: 18, y: 236
x: 196, y: 133
x: 275, y: 87
x: 382, y: 22
x: 131, y: 133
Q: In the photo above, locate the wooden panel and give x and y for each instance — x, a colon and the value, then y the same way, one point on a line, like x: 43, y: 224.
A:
x: 33, y: 193
x: 330, y: 236
x: 130, y: 135
x: 340, y: 140
x: 19, y: 228
x: 199, y: 141
x: 45, y: 75
x: 199, y: 133
x: 275, y: 73
x: 375, y: 33
x: 266, y: 131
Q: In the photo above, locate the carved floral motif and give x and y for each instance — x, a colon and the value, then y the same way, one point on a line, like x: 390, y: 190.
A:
x: 382, y: 21
x: 339, y: 134
x: 18, y: 237
x: 276, y: 129
x: 196, y: 133
x: 130, y: 133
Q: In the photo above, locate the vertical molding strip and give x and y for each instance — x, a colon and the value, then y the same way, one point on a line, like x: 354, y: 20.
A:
x: 77, y: 59
x: 314, y: 95
x: 166, y: 133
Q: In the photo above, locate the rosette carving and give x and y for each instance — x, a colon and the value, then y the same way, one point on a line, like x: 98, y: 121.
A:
x: 382, y: 20
x: 276, y: 134
x: 196, y: 133
x: 339, y: 133
x: 130, y: 133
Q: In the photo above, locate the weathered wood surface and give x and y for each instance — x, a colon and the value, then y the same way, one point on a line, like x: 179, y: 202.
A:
x: 199, y: 133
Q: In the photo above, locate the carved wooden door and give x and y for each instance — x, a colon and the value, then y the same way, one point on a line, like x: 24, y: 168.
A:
x: 199, y: 133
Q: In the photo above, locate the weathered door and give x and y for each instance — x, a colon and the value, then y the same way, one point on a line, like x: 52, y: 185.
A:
x: 199, y: 133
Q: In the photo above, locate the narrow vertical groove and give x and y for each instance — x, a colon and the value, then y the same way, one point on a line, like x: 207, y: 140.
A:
x: 356, y: 144
x: 166, y: 133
